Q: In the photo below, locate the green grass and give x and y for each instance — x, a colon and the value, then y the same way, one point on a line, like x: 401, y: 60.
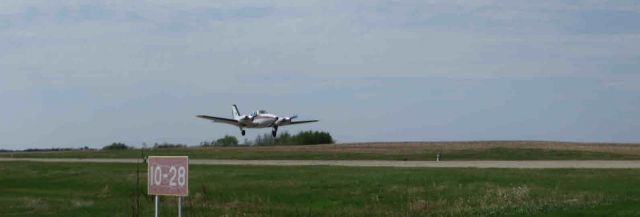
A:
x: 65, y: 189
x: 252, y: 153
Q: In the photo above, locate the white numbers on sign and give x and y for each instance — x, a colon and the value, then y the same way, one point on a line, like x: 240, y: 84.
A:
x: 156, y: 175
x: 181, y: 176
x: 172, y: 181
x: 157, y: 178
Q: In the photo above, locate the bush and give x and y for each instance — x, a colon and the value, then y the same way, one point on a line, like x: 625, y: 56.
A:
x: 227, y: 141
x: 313, y: 137
x: 116, y: 146
x: 302, y: 138
x: 224, y: 141
x: 169, y: 145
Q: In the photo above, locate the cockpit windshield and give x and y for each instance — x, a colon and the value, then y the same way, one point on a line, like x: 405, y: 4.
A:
x: 259, y: 112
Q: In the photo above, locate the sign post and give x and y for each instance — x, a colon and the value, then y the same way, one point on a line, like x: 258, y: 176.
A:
x: 168, y: 176
x: 157, y: 206
x: 179, y: 206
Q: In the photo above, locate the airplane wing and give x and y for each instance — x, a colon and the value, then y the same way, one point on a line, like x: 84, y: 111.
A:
x: 296, y: 122
x: 219, y: 119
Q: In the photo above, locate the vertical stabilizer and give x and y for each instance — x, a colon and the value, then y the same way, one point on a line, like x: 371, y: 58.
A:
x: 236, y: 113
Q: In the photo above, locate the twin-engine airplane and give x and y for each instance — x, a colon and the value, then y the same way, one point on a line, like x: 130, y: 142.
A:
x: 258, y: 119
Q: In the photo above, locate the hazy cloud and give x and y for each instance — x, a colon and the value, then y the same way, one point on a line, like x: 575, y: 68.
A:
x: 67, y: 65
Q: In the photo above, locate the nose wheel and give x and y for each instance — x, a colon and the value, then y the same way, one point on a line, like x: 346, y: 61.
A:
x: 242, y: 132
x: 274, y: 131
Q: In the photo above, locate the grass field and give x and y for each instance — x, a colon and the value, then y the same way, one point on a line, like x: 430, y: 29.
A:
x: 480, y: 150
x: 66, y: 189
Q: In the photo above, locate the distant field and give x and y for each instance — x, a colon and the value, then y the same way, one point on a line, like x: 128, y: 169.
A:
x: 64, y: 189
x: 480, y: 150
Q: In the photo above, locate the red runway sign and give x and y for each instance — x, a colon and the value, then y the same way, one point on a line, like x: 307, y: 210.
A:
x: 168, y: 175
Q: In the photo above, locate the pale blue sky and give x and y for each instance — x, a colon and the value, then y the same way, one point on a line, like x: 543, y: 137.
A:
x: 75, y: 73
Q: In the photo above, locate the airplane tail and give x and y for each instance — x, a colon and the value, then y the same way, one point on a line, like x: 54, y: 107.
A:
x: 235, y: 111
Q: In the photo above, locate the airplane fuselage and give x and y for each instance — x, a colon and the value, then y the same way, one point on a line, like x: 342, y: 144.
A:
x: 259, y: 121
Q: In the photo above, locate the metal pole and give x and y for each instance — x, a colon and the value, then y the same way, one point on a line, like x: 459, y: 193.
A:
x: 179, y: 206
x: 157, y: 206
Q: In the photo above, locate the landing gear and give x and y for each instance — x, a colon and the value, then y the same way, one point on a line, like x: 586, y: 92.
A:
x: 274, y: 131
x: 242, y: 132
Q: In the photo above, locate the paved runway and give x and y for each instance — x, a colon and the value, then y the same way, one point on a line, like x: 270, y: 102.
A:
x: 542, y: 164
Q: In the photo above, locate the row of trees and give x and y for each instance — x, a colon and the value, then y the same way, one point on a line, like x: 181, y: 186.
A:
x: 116, y: 146
x: 284, y: 138
x: 84, y: 148
x: 169, y: 145
x: 224, y: 141
x: 302, y: 138
x: 122, y: 146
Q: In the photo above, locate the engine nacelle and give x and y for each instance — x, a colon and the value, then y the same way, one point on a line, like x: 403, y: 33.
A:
x: 283, y: 121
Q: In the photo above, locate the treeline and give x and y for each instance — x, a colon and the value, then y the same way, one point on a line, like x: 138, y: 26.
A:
x: 224, y: 141
x: 122, y: 146
x: 169, y: 145
x: 85, y: 148
x: 302, y: 138
x: 116, y: 146
x: 284, y: 138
